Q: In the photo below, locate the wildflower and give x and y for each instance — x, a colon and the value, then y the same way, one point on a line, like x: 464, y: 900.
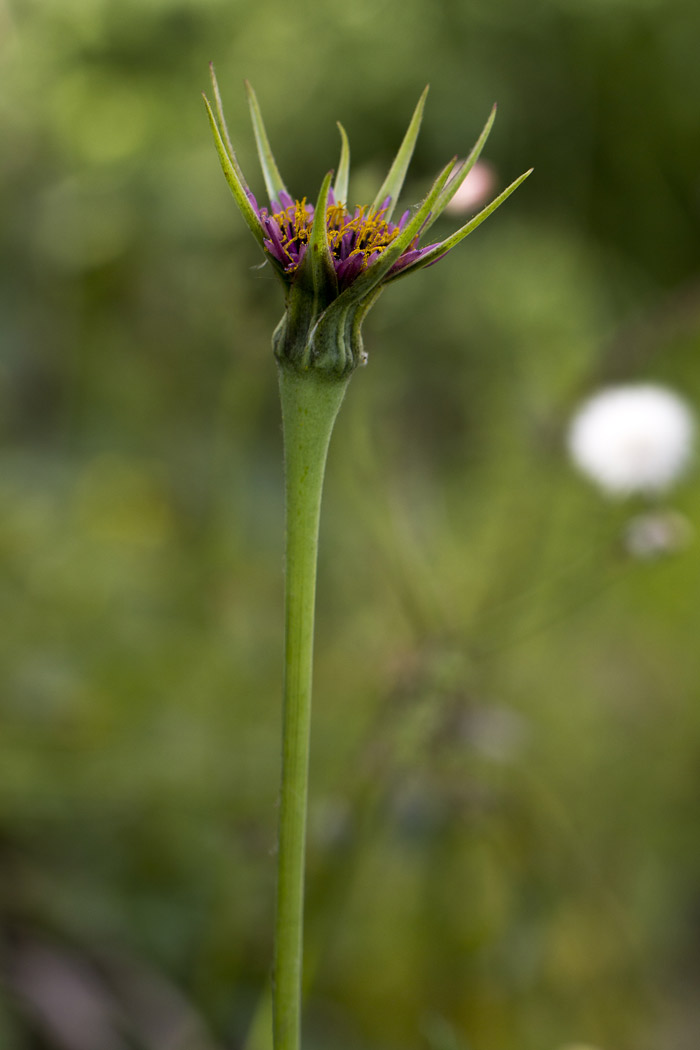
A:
x: 656, y: 534
x: 333, y: 260
x: 474, y: 189
x: 635, y: 438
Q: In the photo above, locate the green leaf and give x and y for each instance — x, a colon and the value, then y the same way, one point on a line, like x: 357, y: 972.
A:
x: 340, y: 186
x: 459, y: 235
x: 323, y: 272
x: 455, y: 182
x: 273, y: 179
x: 235, y: 183
x: 391, y: 187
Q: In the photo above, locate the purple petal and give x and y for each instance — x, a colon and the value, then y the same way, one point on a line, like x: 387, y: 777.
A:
x: 346, y: 244
x: 348, y: 270
x: 437, y: 259
x: 412, y: 256
x: 301, y: 253
x: 274, y: 243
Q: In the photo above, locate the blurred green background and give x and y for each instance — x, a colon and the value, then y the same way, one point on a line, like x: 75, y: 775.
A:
x: 503, y: 849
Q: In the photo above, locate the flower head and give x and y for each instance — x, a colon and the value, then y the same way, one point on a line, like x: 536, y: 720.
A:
x: 334, y: 260
x: 635, y: 438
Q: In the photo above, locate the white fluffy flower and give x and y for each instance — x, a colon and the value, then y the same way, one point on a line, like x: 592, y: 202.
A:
x: 636, y: 438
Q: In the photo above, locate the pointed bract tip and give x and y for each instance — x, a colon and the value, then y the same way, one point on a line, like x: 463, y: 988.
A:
x: 329, y: 175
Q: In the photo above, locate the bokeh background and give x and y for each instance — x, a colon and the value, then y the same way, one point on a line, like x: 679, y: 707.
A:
x: 503, y: 848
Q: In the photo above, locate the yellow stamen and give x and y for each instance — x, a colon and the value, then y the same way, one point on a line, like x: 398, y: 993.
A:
x: 371, y: 231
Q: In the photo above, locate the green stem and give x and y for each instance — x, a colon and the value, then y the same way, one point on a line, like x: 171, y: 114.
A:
x: 310, y: 403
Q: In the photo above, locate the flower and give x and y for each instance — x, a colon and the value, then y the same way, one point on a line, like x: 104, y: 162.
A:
x: 334, y: 261
x: 634, y: 438
x: 355, y: 240
x: 657, y: 533
x: 475, y: 189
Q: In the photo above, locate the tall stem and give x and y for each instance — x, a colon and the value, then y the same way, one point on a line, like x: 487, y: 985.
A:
x: 310, y: 403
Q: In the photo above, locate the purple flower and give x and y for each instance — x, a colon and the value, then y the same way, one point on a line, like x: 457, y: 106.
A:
x: 355, y: 239
x: 335, y: 261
